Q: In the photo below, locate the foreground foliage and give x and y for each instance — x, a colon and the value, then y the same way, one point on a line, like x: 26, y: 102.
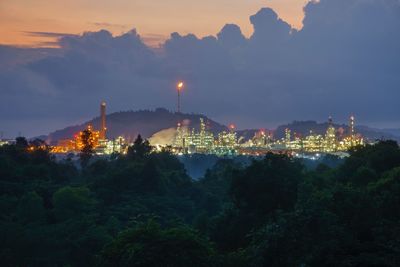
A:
x: 142, y: 209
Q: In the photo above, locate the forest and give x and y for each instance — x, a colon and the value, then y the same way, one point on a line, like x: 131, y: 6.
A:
x: 143, y: 209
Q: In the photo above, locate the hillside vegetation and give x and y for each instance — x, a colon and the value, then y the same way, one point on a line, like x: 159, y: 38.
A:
x: 143, y: 209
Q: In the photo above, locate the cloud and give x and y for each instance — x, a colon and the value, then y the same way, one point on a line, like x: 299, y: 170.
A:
x: 153, y: 40
x: 47, y: 39
x: 109, y: 25
x: 344, y: 60
x: 48, y: 34
x: 231, y: 37
x: 269, y: 28
x: 15, y: 56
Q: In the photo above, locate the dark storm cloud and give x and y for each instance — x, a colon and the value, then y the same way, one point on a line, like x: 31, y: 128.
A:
x: 269, y: 28
x: 344, y: 60
x: 231, y: 37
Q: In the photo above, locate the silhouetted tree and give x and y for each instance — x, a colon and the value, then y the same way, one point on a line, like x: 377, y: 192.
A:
x: 267, y: 185
x: 88, y: 147
x: 21, y: 143
x: 139, y: 149
x: 151, y: 180
x: 38, y: 143
x: 40, y: 151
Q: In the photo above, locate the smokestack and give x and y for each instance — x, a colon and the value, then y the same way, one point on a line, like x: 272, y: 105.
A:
x: 103, y: 121
x: 352, y: 123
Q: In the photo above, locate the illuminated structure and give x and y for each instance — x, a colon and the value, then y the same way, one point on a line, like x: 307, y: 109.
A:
x: 119, y: 145
x: 103, y: 127
x: 261, y: 139
x: 188, y: 141
x: 352, y: 129
x: 315, y: 143
x: 203, y: 141
x: 76, y: 144
x: 351, y: 125
x: 107, y: 147
x: 179, y: 88
x: 311, y: 143
x: 352, y: 139
x: 194, y: 142
x: 98, y: 139
x: 227, y: 142
x: 6, y: 142
x: 181, y: 139
x: 287, y: 137
x: 93, y: 138
x: 64, y: 146
x: 330, y: 138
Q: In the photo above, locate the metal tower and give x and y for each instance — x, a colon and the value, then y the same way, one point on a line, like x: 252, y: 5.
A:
x: 179, y: 88
x: 103, y: 127
x: 352, y: 123
x: 352, y: 129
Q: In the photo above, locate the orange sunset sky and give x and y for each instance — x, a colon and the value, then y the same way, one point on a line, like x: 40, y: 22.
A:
x: 153, y: 19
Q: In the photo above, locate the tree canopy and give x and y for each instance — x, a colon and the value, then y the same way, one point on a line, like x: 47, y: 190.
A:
x: 142, y: 209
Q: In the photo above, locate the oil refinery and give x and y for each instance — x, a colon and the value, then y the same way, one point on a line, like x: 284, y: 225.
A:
x: 187, y: 140
x: 98, y: 139
x: 228, y: 143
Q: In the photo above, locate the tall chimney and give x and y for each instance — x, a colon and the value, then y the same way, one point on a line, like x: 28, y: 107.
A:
x: 103, y: 127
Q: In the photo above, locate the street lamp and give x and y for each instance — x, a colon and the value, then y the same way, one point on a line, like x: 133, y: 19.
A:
x: 179, y: 88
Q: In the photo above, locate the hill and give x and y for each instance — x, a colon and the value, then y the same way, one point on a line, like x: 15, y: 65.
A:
x: 131, y: 123
x: 150, y: 122
x: 393, y: 131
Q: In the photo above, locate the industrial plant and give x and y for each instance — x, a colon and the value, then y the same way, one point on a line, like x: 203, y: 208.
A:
x: 98, y: 139
x: 187, y: 140
x: 228, y: 143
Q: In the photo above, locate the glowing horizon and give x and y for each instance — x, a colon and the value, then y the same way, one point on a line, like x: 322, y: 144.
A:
x: 37, y: 23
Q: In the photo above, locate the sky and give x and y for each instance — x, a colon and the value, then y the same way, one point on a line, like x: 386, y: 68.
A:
x: 154, y: 19
x: 256, y: 64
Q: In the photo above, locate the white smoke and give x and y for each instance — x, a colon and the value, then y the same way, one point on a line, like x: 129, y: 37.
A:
x: 163, y: 137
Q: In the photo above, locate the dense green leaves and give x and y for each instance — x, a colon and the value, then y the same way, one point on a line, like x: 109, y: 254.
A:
x: 71, y: 202
x: 148, y: 245
x: 267, y: 185
x: 272, y: 212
